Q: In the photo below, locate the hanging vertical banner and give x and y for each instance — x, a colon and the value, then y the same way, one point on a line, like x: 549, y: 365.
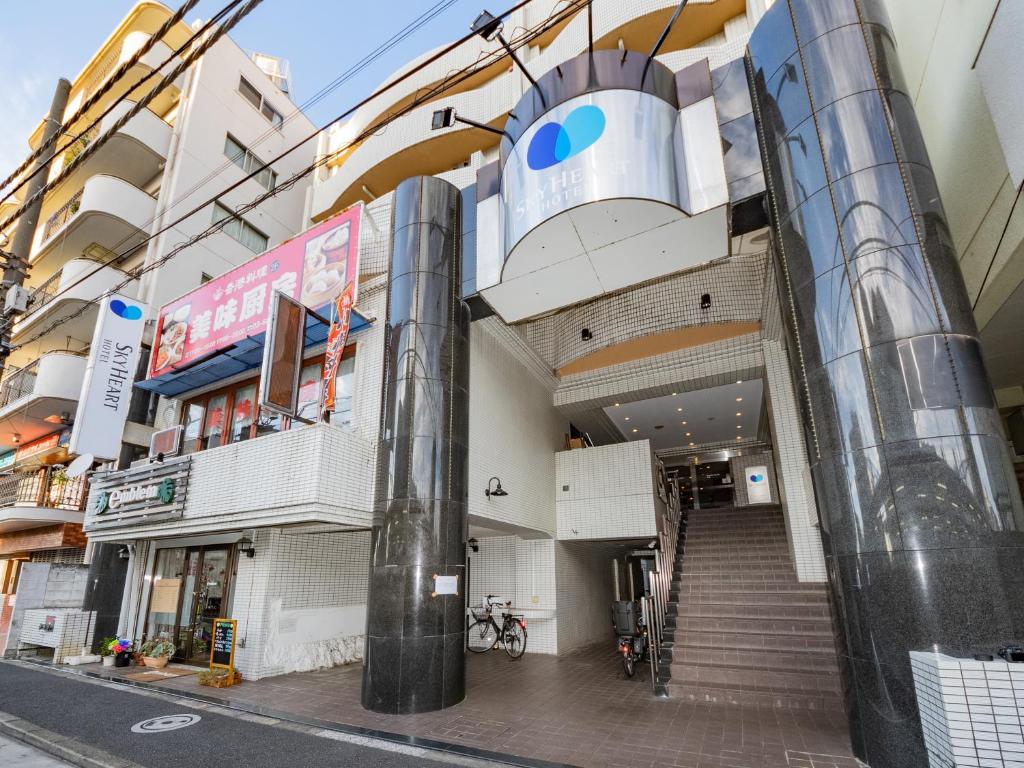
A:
x: 337, y: 338
x: 109, y: 375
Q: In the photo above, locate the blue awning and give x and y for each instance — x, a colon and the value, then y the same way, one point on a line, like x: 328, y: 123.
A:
x: 244, y: 356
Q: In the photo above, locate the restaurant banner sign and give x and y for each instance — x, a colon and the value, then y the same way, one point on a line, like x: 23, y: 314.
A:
x: 312, y: 267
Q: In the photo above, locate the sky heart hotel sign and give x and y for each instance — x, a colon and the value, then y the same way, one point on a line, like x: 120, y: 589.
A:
x: 107, y: 387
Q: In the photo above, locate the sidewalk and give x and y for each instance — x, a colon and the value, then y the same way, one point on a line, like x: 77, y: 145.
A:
x: 577, y: 709
x: 15, y: 754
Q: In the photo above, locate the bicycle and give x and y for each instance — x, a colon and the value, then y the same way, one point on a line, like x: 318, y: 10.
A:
x: 484, y: 633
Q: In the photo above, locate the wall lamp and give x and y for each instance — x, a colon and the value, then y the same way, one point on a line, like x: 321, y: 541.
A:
x: 474, y: 545
x: 245, y: 545
x: 489, y: 28
x: 446, y: 118
x: 498, y: 490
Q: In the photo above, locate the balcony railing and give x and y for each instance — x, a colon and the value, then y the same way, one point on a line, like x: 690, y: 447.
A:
x: 79, y: 144
x: 42, y: 294
x: 48, y: 487
x: 18, y: 384
x: 65, y: 212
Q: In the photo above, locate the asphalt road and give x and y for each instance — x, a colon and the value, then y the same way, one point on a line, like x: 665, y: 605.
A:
x: 102, y: 716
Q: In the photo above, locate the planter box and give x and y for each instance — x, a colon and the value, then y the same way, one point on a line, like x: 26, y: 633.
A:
x: 221, y: 681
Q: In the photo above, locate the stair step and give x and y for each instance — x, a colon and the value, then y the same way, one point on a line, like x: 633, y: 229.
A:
x: 775, y: 699
x: 817, y: 642
x: 804, y: 662
x: 817, y: 627
x: 746, y: 611
x: 746, y: 679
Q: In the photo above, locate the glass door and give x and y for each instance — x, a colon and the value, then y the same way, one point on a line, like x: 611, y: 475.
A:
x: 209, y: 570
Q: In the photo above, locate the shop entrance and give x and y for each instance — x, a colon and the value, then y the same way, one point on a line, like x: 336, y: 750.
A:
x: 190, y: 589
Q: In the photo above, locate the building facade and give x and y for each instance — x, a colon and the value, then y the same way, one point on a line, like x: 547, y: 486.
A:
x: 752, y: 283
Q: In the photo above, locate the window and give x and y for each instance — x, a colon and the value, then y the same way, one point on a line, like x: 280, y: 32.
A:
x: 248, y: 162
x: 240, y: 229
x: 254, y: 97
x: 232, y: 415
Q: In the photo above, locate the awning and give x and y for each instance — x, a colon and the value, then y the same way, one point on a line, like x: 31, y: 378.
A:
x: 244, y: 356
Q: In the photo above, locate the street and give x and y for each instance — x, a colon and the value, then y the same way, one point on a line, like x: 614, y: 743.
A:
x: 103, y: 724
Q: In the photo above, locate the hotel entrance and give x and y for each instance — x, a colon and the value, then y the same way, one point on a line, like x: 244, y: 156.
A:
x: 190, y: 589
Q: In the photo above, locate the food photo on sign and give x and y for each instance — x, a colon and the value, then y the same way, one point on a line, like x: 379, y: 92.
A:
x: 312, y: 267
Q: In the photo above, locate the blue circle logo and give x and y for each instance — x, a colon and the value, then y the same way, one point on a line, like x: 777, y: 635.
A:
x: 555, y: 142
x: 121, y: 309
x: 757, y: 478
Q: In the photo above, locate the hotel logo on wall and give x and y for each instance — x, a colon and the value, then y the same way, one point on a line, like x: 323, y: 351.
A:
x: 109, y: 375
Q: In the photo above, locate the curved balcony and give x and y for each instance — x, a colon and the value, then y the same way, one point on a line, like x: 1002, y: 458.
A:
x: 107, y: 211
x: 408, y: 146
x: 135, y: 153
x: 62, y: 295
x: 35, y: 397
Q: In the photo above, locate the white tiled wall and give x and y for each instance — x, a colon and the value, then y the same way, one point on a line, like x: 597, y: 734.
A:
x: 584, y: 593
x: 738, y: 468
x: 606, y: 492
x: 301, y: 577
x: 514, y: 430
x: 972, y: 712
x: 72, y: 630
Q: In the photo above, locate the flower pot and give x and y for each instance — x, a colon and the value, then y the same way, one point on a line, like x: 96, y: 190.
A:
x: 156, y: 662
x: 108, y: 661
x: 122, y: 659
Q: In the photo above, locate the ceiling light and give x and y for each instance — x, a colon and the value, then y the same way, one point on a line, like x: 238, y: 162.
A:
x: 634, y: 429
x: 739, y: 399
x: 679, y: 409
x: 687, y: 434
x: 738, y: 427
x: 691, y: 444
x: 627, y: 418
x: 616, y: 405
x: 674, y: 394
x: 738, y: 413
x: 740, y: 381
x: 738, y: 437
x: 684, y: 423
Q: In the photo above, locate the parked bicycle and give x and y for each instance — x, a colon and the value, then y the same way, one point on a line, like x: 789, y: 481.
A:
x: 484, y: 633
x: 631, y: 634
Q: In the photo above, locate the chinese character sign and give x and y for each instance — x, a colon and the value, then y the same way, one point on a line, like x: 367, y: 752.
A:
x: 337, y: 338
x: 313, y: 267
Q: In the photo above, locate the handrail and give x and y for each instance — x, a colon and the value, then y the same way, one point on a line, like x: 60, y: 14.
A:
x: 46, y: 290
x: 47, y: 487
x: 18, y: 383
x: 62, y: 214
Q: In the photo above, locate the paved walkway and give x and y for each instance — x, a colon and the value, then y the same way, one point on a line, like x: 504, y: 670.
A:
x: 576, y: 709
x: 15, y: 754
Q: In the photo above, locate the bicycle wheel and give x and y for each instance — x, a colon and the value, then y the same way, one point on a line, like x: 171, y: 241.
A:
x: 515, y: 640
x: 481, y: 636
x: 627, y: 664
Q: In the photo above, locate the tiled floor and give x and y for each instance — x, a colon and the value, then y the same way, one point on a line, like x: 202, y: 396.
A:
x: 577, y: 709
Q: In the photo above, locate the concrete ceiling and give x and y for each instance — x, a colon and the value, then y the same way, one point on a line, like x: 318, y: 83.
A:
x: 709, y: 416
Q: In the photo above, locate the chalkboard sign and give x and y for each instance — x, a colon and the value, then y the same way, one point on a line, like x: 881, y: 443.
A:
x: 222, y: 653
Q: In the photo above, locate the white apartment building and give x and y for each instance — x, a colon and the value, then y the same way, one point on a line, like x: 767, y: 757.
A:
x: 221, y: 118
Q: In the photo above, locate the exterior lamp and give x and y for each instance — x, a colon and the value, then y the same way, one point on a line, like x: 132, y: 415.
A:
x: 489, y: 28
x: 498, y: 490
x: 446, y: 118
x: 245, y: 545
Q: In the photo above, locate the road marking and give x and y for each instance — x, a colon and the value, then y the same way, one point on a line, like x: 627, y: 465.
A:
x: 165, y: 723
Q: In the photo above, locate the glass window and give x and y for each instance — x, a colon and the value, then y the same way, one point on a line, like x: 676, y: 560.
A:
x: 240, y: 230
x: 344, y: 387
x: 269, y: 421
x: 243, y: 413
x: 249, y: 93
x: 235, y: 151
x: 165, y: 591
x: 309, y: 391
x: 193, y: 421
x: 213, y: 431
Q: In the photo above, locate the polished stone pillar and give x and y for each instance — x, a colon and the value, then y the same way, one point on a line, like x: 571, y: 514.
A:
x: 415, y: 639
x: 921, y: 518
x: 105, y: 589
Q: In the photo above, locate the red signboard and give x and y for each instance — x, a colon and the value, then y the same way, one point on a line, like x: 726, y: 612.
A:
x: 312, y: 267
x: 337, y: 338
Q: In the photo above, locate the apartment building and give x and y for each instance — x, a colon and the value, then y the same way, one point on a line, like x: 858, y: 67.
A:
x: 717, y: 284
x: 217, y: 121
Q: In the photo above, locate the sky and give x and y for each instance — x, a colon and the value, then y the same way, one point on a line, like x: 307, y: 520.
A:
x: 42, y: 41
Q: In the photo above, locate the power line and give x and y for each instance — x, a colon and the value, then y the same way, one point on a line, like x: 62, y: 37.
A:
x: 466, y: 73
x: 170, y: 77
x: 89, y: 103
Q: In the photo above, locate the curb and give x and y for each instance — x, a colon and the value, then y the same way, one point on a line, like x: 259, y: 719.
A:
x: 442, y: 748
x: 61, y: 747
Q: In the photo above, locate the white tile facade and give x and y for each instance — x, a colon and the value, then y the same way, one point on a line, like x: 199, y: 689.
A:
x: 607, y: 492
x: 66, y: 630
x: 972, y: 712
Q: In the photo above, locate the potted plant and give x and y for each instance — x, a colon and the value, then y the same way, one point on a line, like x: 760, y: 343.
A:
x: 156, y: 653
x: 120, y: 651
x: 106, y: 653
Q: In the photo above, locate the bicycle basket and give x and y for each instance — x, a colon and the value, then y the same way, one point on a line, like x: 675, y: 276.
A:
x: 480, y: 612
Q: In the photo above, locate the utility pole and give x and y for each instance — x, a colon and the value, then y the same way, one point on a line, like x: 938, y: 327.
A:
x: 15, y: 262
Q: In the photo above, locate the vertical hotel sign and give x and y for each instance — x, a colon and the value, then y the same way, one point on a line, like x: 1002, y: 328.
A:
x: 109, y: 375
x: 311, y: 268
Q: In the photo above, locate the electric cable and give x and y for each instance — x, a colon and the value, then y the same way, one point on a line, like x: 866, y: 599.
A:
x: 110, y: 108
x: 169, y: 78
x: 573, y: 7
x: 100, y: 92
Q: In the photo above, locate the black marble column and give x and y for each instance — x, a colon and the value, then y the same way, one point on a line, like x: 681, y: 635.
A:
x: 921, y: 518
x: 415, y: 641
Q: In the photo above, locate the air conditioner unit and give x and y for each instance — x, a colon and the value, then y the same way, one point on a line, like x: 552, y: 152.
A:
x: 16, y: 302
x: 166, y: 442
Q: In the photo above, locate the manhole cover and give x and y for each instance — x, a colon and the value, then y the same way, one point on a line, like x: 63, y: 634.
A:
x: 165, y: 723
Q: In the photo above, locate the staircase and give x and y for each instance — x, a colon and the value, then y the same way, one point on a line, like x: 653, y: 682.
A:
x: 740, y: 628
